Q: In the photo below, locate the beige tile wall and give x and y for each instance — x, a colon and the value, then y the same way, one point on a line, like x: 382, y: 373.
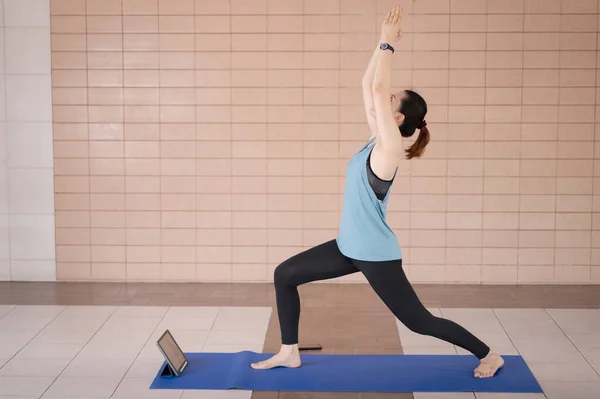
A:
x: 206, y: 140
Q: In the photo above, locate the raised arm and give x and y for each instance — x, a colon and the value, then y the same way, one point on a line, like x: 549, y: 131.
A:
x: 389, y: 136
x: 367, y: 91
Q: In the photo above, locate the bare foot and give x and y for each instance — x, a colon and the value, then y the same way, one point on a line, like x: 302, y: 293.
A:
x: 489, y: 365
x: 288, y: 356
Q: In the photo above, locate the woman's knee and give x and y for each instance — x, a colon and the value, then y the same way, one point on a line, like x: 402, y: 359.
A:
x: 420, y: 323
x: 284, y: 273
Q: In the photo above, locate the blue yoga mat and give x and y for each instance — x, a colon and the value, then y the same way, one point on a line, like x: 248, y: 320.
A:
x: 350, y: 373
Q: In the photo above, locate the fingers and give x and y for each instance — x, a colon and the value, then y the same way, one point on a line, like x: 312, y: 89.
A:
x: 397, y: 14
x: 388, y: 18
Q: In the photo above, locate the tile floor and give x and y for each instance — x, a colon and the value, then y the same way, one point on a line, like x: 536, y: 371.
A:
x: 110, y: 352
x: 98, y: 340
x: 561, y: 347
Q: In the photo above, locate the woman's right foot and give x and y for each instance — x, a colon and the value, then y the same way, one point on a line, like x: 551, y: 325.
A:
x: 489, y: 365
x: 288, y: 356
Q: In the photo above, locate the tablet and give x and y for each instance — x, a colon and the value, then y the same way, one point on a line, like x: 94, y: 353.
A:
x: 176, y: 360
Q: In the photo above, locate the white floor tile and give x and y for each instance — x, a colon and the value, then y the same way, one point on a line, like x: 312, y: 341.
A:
x: 580, y: 371
x: 559, y: 352
x: 105, y: 368
x: 545, y: 330
x: 137, y: 388
x: 34, y: 367
x: 242, y: 318
x: 592, y: 355
x: 585, y: 341
x: 532, y: 337
x: 250, y: 337
x: 198, y: 312
x: 182, y: 324
x: 5, y: 309
x: 37, y: 350
x: 495, y: 339
x: 82, y: 387
x: 189, y: 318
x: 517, y: 316
x: 47, y: 396
x: 134, y: 337
x: 110, y: 351
x: 59, y: 334
x: 88, y: 312
x: 37, y: 311
x: 18, y: 397
x: 12, y: 341
x: 140, y: 311
x: 24, y: 323
x: 475, y: 320
x: 144, y: 368
x: 571, y: 390
x: 151, y: 352
x: 232, y: 394
x: 29, y: 317
x: 527, y: 321
x: 595, y: 365
x: 125, y: 324
x: 24, y: 386
x: 582, y: 321
x: 3, y: 361
x: 444, y: 395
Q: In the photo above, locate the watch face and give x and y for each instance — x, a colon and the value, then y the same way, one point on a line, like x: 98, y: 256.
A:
x: 384, y: 46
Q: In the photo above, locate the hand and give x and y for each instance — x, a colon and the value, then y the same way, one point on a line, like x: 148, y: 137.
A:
x: 391, y: 30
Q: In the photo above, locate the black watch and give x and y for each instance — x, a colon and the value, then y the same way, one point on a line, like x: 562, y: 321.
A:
x: 386, y: 46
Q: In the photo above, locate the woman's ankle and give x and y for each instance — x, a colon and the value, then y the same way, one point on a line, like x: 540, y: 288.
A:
x: 289, y: 348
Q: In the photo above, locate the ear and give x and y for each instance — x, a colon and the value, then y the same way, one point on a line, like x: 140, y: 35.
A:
x: 398, y: 117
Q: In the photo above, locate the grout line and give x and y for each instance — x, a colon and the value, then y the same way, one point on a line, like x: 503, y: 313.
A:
x: 7, y: 171
x: 89, y: 158
x: 126, y: 265
x: 212, y: 326
x: 231, y: 175
x: 572, y: 343
x: 556, y: 158
x: 160, y: 180
x: 483, y: 176
x: 195, y: 142
x: 80, y: 350
x: 38, y: 333
x: 518, y: 246
x: 447, y: 127
x: 141, y: 349
x: 506, y: 332
x: 593, y: 142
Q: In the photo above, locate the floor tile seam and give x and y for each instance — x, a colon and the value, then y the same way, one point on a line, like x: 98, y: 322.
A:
x: 80, y: 350
x: 573, y: 343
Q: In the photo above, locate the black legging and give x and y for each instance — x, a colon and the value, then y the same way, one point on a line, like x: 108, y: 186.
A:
x: 387, y: 279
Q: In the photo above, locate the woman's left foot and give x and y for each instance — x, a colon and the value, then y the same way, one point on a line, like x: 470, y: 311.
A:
x: 489, y: 365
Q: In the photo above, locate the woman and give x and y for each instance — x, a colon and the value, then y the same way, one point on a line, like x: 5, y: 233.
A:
x: 365, y: 242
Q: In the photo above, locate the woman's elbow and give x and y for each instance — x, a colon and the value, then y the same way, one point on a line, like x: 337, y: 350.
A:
x: 379, y: 87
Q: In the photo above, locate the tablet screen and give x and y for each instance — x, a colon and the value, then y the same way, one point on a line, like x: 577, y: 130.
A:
x: 172, y: 351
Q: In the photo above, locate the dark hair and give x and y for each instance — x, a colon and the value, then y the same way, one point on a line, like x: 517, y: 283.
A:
x: 414, y: 109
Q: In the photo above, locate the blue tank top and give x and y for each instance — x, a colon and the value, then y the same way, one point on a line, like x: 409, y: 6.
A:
x: 364, y: 233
